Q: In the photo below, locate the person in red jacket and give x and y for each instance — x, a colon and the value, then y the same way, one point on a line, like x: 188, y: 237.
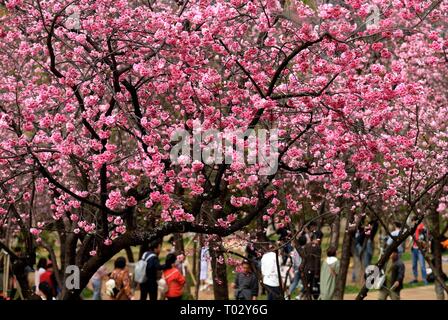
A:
x: 174, y: 279
x: 48, y: 281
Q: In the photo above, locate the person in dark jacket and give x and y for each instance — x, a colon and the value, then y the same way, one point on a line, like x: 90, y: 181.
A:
x: 46, y: 292
x: 394, y: 278
x: 153, y: 269
x: 246, y: 283
x: 287, y: 248
x: 310, y: 267
x: 370, y: 231
x: 314, y: 231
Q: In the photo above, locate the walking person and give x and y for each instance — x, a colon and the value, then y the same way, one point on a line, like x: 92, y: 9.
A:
x: 420, y: 237
x: 97, y: 282
x: 297, y: 260
x: 328, y: 274
x: 45, y: 291
x: 246, y: 283
x: 311, y: 267
x: 204, y: 270
x: 47, y: 281
x: 395, y: 233
x: 181, y: 264
x: 284, y: 234
x: 370, y: 233
x: 270, y: 274
x: 40, y: 270
x: 121, y: 289
x: 153, y: 269
x: 357, y: 253
x: 252, y: 254
x: 394, y: 278
x: 174, y: 279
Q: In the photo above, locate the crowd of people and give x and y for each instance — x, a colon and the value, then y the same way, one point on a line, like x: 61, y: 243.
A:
x: 292, y: 266
x: 159, y: 281
x: 302, y: 258
x: 156, y: 281
x: 151, y: 278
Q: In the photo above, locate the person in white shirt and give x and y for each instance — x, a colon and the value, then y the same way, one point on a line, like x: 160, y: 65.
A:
x: 40, y: 269
x: 205, y: 274
x: 270, y: 275
x: 394, y: 234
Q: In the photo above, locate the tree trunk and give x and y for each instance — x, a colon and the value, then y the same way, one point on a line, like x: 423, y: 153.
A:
x: 195, y: 256
x: 178, y: 243
x: 18, y: 269
x: 437, y: 254
x: 188, y: 283
x: 18, y: 265
x: 345, y: 260
x: 260, y: 232
x: 143, y: 248
x: 219, y: 271
x: 279, y: 274
x: 440, y: 294
x: 197, y: 274
x: 129, y: 254
x: 191, y: 272
x: 335, y: 230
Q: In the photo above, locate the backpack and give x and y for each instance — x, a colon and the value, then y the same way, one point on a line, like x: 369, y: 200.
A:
x: 140, y: 267
x: 111, y: 288
x: 163, y: 284
x: 115, y: 288
x: 423, y: 235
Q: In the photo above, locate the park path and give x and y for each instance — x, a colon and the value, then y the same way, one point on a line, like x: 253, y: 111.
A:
x: 418, y: 293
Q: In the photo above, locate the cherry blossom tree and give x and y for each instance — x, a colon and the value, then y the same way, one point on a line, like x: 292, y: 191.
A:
x: 92, y: 92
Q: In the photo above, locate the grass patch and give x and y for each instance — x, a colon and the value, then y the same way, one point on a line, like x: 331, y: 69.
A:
x: 350, y: 289
x: 414, y: 285
x: 87, y: 293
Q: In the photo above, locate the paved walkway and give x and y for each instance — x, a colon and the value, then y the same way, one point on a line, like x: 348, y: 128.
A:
x: 419, y: 293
